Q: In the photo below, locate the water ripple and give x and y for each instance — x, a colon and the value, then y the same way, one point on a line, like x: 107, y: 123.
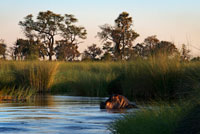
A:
x: 57, y: 115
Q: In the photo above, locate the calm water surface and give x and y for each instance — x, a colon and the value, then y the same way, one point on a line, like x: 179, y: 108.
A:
x: 56, y: 115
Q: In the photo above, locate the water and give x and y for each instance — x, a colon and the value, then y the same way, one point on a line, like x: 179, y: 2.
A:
x: 56, y: 115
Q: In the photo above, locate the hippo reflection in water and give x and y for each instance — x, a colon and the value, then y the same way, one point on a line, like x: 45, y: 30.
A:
x: 117, y: 102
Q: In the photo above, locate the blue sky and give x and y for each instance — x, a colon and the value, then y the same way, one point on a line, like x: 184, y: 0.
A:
x: 173, y: 20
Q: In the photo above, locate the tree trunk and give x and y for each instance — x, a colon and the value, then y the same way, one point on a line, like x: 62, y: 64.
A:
x: 50, y: 57
x: 51, y: 48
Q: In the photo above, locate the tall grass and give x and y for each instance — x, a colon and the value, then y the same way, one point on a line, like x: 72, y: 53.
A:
x: 37, y: 75
x: 88, y: 79
x: 155, y: 78
x: 25, y: 78
x: 159, y: 119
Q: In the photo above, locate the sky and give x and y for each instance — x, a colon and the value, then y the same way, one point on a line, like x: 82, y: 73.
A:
x: 172, y: 20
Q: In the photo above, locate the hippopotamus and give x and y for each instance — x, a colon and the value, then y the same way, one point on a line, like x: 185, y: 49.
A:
x: 117, y: 102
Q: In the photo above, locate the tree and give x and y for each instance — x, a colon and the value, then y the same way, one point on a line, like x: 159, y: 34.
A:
x: 66, y: 51
x: 43, y: 51
x: 150, y: 45
x: 138, y: 50
x: 153, y: 47
x: 195, y: 59
x: 26, y: 49
x: 11, y: 53
x: 108, y: 50
x: 70, y: 32
x: 92, y: 53
x: 2, y: 49
x: 107, y: 47
x: 45, y: 27
x: 48, y: 26
x: 167, y: 48
x: 185, y: 53
x: 122, y: 35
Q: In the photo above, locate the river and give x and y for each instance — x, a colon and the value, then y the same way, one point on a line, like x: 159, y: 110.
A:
x: 56, y: 115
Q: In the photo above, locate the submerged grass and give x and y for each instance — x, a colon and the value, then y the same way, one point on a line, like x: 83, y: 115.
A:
x: 12, y: 94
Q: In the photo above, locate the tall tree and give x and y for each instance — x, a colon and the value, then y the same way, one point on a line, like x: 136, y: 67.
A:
x: 46, y: 27
x: 122, y: 34
x: 92, y: 53
x: 67, y: 48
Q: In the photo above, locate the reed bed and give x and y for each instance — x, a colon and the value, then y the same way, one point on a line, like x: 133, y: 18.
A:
x: 21, y: 79
x: 155, y: 78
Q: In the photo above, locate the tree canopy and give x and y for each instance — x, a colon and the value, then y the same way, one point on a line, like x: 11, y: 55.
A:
x: 121, y: 35
x: 50, y: 34
x: 152, y: 46
x: 48, y: 26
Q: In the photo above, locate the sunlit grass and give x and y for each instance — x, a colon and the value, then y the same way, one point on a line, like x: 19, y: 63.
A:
x: 21, y: 80
x: 36, y: 75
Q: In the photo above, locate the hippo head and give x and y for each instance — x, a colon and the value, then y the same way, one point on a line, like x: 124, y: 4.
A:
x: 117, y: 102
